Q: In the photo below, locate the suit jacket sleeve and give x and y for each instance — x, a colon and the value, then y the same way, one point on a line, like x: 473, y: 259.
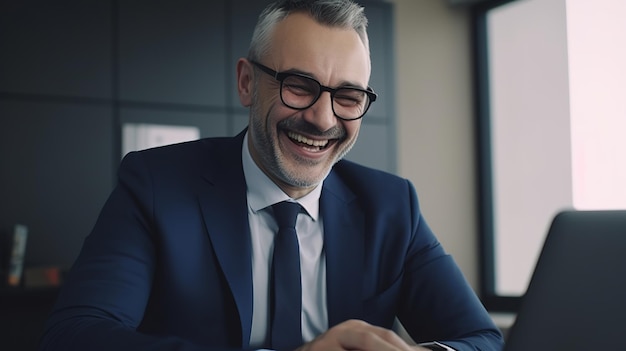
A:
x: 103, y: 302
x: 437, y: 303
x: 406, y: 273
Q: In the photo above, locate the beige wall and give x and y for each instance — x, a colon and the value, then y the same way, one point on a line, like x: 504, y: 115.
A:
x: 435, y: 124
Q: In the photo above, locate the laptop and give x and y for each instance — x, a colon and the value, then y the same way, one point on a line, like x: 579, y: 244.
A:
x: 576, y: 298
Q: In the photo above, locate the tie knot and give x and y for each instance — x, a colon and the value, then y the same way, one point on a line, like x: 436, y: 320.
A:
x: 286, y: 213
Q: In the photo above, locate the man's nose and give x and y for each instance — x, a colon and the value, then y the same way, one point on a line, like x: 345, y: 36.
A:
x: 321, y: 113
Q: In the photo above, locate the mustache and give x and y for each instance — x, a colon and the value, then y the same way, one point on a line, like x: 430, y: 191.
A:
x: 303, y: 127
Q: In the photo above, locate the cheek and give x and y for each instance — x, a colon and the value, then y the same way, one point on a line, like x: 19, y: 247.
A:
x: 262, y: 112
x: 270, y: 107
x: 352, y: 128
x: 277, y: 112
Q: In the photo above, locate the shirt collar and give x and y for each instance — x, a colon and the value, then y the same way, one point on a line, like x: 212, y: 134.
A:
x: 263, y: 192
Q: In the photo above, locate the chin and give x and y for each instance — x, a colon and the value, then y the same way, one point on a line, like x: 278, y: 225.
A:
x: 304, y: 179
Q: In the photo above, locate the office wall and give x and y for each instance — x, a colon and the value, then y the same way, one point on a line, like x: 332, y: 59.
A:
x: 435, y: 121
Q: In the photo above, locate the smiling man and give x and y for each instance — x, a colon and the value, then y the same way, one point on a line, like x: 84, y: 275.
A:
x: 300, y: 126
x: 269, y: 240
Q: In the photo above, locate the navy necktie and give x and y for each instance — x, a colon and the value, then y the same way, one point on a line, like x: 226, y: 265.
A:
x: 286, y: 288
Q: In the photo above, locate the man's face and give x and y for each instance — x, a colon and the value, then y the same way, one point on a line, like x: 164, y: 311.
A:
x: 297, y: 148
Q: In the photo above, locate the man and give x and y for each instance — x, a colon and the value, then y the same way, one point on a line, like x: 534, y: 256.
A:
x: 185, y: 254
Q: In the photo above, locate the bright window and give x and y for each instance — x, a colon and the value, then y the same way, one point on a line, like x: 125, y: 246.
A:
x: 554, y: 125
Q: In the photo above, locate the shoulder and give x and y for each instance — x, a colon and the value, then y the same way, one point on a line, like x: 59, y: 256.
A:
x: 387, y: 202
x: 358, y: 176
x: 184, y: 164
x: 369, y: 185
x: 197, y: 152
x: 214, y: 144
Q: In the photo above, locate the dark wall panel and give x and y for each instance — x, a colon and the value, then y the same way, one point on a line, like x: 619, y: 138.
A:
x: 56, y: 48
x: 247, y: 13
x: 56, y: 174
x: 240, y: 121
x: 381, y: 45
x: 372, y: 147
x: 172, y: 51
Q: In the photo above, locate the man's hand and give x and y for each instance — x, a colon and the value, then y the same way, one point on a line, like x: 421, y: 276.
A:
x: 358, y: 335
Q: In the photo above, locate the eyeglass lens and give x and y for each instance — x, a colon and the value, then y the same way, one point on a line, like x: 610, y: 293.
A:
x: 301, y: 92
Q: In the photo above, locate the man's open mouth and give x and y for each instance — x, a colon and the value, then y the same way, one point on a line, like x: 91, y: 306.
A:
x: 316, y: 145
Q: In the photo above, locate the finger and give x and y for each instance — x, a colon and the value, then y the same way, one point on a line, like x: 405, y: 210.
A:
x: 359, y: 335
x: 368, y: 341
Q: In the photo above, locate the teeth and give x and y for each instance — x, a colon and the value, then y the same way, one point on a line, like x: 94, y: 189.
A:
x: 305, y: 140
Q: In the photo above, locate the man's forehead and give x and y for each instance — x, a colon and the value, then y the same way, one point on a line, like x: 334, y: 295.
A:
x: 300, y: 42
x: 298, y: 22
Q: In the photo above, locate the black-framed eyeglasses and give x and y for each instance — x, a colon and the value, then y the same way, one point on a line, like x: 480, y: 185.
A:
x: 300, y: 92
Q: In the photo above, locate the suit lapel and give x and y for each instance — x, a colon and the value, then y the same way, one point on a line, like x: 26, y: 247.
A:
x: 344, y: 248
x: 225, y: 212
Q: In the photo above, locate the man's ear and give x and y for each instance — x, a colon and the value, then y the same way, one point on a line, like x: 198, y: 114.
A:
x: 244, y: 81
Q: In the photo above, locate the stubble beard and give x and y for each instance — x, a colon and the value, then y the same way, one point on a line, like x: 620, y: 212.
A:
x: 265, y: 142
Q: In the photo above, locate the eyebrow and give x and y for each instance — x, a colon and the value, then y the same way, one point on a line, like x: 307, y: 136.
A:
x: 342, y: 84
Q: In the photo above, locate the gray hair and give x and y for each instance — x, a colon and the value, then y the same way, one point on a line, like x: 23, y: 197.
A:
x: 334, y: 13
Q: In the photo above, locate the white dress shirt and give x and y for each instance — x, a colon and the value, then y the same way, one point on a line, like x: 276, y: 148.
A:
x: 262, y: 193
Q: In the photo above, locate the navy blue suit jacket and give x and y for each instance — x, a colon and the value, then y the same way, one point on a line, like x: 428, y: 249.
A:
x: 168, y: 263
